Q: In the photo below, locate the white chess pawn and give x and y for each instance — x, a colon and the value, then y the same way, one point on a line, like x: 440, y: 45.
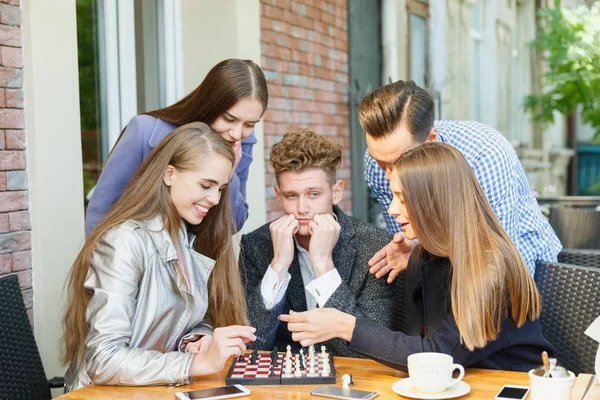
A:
x: 311, y: 351
x: 311, y: 369
x: 288, y: 352
x: 326, y: 366
x: 298, y: 372
x: 324, y: 354
x: 287, y: 372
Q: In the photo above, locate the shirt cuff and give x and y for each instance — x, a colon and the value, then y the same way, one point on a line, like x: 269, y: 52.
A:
x: 272, y: 290
x: 324, y: 286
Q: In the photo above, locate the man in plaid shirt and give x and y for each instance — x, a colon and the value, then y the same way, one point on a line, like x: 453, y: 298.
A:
x: 399, y: 116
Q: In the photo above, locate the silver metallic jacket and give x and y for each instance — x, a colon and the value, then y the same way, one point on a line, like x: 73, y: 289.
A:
x: 141, y: 308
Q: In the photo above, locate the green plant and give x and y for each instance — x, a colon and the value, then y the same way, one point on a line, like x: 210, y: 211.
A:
x: 570, y: 43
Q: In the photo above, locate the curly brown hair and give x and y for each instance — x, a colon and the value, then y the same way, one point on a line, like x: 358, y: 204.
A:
x: 303, y: 149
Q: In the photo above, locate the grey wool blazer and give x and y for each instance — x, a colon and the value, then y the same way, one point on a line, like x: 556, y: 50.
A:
x: 360, y: 293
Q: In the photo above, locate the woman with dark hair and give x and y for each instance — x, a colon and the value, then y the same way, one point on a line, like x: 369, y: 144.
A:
x: 231, y: 99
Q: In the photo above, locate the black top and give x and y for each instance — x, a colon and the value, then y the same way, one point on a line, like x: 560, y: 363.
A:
x: 431, y: 327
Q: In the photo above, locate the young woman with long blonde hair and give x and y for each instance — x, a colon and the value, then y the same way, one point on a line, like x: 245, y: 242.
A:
x: 468, y: 292
x: 158, y: 273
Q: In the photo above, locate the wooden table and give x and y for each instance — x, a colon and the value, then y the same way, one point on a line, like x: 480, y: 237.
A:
x: 367, y: 375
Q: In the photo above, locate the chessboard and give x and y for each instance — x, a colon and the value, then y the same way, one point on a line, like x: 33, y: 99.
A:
x: 265, y: 369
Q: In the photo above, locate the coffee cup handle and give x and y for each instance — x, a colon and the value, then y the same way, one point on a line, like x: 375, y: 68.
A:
x: 460, y: 376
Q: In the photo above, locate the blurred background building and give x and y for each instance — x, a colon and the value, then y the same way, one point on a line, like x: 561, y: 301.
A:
x: 73, y: 72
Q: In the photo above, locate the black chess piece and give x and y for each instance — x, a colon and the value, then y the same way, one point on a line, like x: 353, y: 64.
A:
x: 254, y: 357
x: 274, y: 358
x: 241, y: 358
x: 272, y: 373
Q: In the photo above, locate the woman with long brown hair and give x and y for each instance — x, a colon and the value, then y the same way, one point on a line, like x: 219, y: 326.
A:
x: 158, y: 273
x: 468, y: 292
x: 231, y: 99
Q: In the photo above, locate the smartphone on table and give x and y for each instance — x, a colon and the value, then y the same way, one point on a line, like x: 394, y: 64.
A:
x: 511, y: 392
x: 223, y: 392
x: 335, y: 392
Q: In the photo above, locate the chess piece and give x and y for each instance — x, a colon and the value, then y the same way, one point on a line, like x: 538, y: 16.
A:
x: 326, y: 367
x: 274, y: 358
x: 288, y: 353
x: 324, y: 352
x: 311, y: 351
x: 298, y: 372
x: 272, y: 373
x: 287, y: 372
x: 347, y: 381
x: 254, y: 357
x: 311, y: 368
x: 241, y: 358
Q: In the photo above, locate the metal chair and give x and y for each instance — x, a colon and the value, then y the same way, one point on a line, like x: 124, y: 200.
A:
x: 570, y: 303
x: 581, y: 257
x: 577, y: 228
x: 22, y: 374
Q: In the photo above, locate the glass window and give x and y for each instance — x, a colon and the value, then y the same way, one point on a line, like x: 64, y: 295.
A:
x: 418, y: 47
x: 89, y: 93
x: 127, y: 64
x: 418, y: 39
x: 476, y: 35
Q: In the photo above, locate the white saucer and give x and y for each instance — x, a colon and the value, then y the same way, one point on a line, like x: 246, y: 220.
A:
x: 404, y: 387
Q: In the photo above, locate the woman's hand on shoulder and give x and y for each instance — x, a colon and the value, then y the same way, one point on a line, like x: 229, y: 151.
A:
x: 393, y: 258
x: 224, y: 343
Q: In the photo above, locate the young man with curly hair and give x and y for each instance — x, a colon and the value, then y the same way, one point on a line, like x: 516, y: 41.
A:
x: 315, y: 257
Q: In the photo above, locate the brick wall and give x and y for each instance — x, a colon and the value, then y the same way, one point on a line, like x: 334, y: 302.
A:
x: 15, y: 221
x: 304, y: 47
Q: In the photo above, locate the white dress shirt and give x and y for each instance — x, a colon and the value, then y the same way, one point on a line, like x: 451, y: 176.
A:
x: 317, y: 290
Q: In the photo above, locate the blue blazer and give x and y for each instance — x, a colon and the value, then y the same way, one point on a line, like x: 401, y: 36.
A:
x: 141, y: 136
x: 430, y: 327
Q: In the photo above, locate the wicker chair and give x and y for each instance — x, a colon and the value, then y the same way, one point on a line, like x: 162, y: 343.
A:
x: 22, y: 373
x: 571, y: 302
x: 577, y: 228
x: 583, y: 258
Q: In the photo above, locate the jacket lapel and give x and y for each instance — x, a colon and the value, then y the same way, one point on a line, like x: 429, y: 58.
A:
x: 344, y: 252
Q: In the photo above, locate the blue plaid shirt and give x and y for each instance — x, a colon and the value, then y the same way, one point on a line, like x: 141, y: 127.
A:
x: 501, y: 177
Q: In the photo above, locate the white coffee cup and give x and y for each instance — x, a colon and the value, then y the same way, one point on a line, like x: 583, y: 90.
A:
x: 432, y: 372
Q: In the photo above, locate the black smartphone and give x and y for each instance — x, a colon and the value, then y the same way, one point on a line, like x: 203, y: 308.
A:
x: 510, y: 392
